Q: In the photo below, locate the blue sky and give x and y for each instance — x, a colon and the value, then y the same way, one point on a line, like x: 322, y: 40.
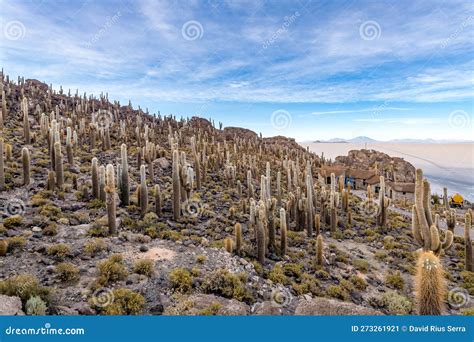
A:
x: 305, y: 69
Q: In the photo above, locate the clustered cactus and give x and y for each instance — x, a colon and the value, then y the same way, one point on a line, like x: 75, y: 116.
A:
x: 429, y: 281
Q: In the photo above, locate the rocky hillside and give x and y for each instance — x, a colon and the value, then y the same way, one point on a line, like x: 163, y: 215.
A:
x: 394, y: 168
x: 108, y: 210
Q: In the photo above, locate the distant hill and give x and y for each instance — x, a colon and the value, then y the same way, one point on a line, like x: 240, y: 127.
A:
x: 364, y: 139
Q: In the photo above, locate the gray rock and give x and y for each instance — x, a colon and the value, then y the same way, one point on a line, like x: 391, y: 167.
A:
x: 10, y: 306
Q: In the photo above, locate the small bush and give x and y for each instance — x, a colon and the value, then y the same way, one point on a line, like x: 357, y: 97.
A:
x: 112, y: 269
x: 125, y: 302
x: 181, y: 280
x: 358, y: 282
x: 223, y: 283
x: 395, y: 280
x: 13, y: 221
x: 395, y: 303
x: 23, y: 286
x: 51, y: 229
x: 16, y: 242
x: 144, y: 267
x: 337, y: 291
x: 95, y: 246
x: 35, y: 306
x: 67, y: 272
x: 278, y: 276
x: 211, y: 310
x: 362, y: 265
x: 58, y: 251
x: 201, y: 259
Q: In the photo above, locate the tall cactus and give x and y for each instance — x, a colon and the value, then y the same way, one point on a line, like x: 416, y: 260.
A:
x: 25, y: 157
x: 95, y: 177
x: 429, y: 281
x: 430, y: 285
x: 384, y: 202
x: 467, y: 242
x: 319, y: 250
x: 238, y: 238
x: 58, y: 163
x: 110, y: 199
x: 125, y: 180
x: 102, y: 183
x: 176, y: 187
x: 158, y: 200
x: 2, y: 166
x: 143, y: 191
x: 451, y: 219
x: 309, y: 204
x: 261, y: 248
x: 445, y: 198
x: 283, y: 233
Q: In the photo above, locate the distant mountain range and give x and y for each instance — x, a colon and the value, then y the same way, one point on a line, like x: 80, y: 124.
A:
x: 364, y: 140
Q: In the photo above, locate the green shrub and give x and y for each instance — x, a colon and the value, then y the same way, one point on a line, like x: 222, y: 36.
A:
x: 111, y: 270
x: 211, y: 310
x: 35, y: 306
x: 16, y: 242
x: 58, y: 251
x: 395, y: 280
x: 144, y: 267
x: 13, y: 221
x: 337, y: 291
x: 358, y: 282
x: 67, y: 272
x: 223, y: 283
x: 181, y: 280
x: 362, y: 265
x: 95, y: 246
x: 125, y: 302
x: 23, y: 286
x: 396, y: 304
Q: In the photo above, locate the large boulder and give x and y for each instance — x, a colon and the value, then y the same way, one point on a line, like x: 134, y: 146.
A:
x: 330, y: 307
x: 10, y: 306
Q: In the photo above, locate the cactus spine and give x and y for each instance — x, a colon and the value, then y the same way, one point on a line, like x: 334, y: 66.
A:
x: 110, y: 199
x: 25, y: 157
